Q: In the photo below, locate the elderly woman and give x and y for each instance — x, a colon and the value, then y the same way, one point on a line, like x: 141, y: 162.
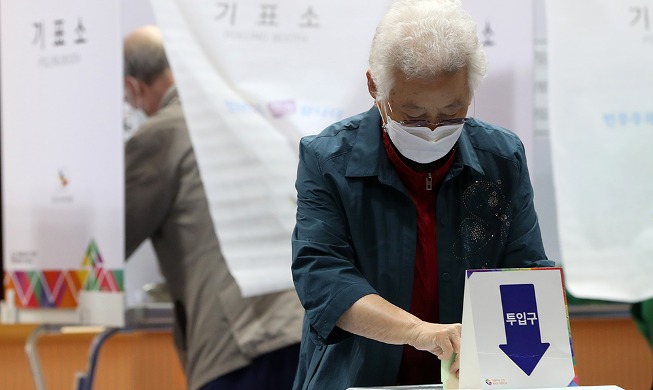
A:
x: 394, y: 204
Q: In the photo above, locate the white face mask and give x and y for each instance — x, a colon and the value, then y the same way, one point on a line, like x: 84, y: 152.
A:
x: 421, y: 144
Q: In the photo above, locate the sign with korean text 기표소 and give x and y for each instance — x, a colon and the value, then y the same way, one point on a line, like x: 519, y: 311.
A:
x: 62, y: 160
x: 516, y: 330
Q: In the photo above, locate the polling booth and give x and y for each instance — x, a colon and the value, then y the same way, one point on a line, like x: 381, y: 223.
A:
x: 62, y: 189
x: 62, y: 173
x: 254, y: 78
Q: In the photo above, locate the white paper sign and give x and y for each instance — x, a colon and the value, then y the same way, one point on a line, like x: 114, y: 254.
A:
x: 62, y: 150
x: 515, y: 330
x: 601, y: 126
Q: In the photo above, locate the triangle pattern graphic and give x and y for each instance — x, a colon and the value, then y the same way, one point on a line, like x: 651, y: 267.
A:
x: 32, y: 284
x: 53, y: 283
x: 60, y: 288
x: 92, y: 258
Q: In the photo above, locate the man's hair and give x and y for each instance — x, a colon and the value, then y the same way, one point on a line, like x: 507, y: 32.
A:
x: 145, y: 61
x: 424, y: 38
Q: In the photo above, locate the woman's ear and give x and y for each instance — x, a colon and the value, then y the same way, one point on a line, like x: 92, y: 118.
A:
x: 371, y: 87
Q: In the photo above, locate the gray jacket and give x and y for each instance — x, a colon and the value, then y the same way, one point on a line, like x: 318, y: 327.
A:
x: 216, y: 329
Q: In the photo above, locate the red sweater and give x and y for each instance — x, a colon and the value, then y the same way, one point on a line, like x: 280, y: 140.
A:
x: 420, y: 367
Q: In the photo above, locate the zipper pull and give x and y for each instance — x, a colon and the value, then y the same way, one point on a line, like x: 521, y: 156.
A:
x: 429, y: 182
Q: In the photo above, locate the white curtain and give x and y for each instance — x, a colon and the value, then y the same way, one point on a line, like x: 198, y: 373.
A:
x: 601, y: 124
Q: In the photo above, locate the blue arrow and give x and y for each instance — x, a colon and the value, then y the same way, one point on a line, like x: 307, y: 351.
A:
x: 524, y: 344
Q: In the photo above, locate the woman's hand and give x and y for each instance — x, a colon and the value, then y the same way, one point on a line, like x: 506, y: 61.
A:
x: 442, y: 340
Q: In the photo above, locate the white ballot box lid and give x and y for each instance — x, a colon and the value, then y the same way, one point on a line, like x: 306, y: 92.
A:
x: 414, y: 387
x: 433, y: 387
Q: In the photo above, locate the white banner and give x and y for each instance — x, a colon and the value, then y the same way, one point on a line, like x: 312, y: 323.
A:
x: 62, y: 158
x: 601, y: 124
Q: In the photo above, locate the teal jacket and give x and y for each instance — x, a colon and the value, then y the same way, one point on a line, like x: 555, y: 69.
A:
x: 356, y: 232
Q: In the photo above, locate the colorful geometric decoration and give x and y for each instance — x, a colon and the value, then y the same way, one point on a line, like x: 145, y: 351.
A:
x: 59, y: 288
x: 93, y: 258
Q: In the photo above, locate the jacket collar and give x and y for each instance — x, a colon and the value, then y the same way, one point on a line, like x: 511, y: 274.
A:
x: 369, y: 158
x: 170, y: 97
x: 466, y: 153
x: 367, y: 154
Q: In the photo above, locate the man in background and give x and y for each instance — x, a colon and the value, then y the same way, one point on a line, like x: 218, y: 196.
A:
x: 224, y: 341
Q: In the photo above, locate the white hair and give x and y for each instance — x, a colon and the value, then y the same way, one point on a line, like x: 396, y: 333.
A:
x: 424, y: 38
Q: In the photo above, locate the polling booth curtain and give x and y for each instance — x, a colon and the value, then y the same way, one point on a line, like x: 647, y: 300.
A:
x: 62, y: 154
x: 601, y: 129
x: 255, y: 77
